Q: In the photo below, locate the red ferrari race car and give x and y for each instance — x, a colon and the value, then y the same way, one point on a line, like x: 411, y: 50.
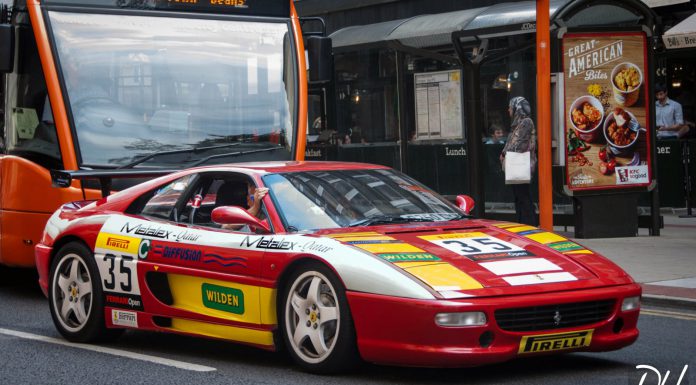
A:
x: 343, y: 261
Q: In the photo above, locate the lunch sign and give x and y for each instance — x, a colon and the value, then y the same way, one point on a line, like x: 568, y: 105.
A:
x: 607, y: 111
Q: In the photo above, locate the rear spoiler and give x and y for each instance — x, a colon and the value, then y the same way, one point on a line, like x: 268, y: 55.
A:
x: 64, y: 178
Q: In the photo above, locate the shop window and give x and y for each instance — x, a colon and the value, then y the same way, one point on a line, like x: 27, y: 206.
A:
x: 501, y: 80
x: 367, y: 110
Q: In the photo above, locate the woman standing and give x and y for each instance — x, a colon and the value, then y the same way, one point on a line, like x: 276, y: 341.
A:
x: 522, y: 138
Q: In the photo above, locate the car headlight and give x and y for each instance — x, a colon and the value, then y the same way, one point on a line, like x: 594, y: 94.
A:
x: 474, y: 318
x: 630, y: 303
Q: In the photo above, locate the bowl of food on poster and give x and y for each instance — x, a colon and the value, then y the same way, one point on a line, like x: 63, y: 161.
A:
x: 621, y: 130
x: 586, y: 114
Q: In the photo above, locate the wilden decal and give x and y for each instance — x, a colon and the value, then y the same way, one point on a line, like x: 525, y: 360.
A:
x: 558, y: 341
x: 223, y: 298
x: 565, y: 246
x: 409, y: 257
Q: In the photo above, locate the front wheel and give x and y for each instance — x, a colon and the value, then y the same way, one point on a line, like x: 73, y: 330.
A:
x: 75, y: 296
x: 316, y: 322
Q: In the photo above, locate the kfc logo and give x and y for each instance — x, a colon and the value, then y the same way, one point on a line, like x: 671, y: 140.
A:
x: 632, y: 175
x: 623, y: 175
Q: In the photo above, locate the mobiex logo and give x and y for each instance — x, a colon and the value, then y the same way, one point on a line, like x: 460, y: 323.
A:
x: 117, y: 243
x: 660, y: 381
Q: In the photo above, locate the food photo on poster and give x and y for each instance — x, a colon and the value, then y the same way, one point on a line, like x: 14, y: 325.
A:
x: 607, y: 111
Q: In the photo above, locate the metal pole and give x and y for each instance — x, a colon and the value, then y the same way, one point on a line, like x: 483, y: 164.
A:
x: 543, y: 57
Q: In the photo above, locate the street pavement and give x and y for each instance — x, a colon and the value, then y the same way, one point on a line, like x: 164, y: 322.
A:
x: 665, y: 265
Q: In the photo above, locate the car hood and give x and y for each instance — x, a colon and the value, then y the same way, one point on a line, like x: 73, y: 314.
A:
x: 484, y: 258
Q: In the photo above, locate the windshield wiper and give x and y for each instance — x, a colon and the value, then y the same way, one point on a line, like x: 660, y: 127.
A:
x: 234, y: 154
x: 460, y: 217
x: 382, y: 219
x: 193, y: 150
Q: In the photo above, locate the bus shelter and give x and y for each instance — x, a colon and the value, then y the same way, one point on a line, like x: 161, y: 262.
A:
x: 428, y: 95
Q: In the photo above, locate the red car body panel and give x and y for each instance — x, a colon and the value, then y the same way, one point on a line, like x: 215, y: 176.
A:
x: 391, y: 329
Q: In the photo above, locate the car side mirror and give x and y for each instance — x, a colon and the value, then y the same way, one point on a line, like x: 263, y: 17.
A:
x: 6, y: 48
x: 235, y: 215
x: 320, y: 58
x: 465, y: 203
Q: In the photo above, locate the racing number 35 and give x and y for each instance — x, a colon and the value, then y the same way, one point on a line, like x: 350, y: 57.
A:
x: 486, y: 244
x: 123, y: 270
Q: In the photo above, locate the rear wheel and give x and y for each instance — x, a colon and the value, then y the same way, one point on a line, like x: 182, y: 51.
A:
x: 316, y: 323
x: 75, y: 296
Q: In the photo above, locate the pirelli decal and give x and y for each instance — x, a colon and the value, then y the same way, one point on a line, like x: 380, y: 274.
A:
x: 116, y: 242
x: 556, y: 341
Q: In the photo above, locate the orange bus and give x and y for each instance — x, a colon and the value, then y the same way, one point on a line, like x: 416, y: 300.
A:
x: 139, y: 85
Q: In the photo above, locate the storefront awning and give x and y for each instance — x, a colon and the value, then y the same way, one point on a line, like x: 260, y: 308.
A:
x: 682, y: 35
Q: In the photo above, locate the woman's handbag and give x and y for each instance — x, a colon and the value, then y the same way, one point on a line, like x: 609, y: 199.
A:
x: 517, y: 167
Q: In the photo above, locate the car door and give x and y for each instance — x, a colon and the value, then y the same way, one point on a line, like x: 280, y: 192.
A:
x: 212, y: 278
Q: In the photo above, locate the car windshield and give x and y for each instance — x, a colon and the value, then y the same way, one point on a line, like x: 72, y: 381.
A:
x: 138, y: 85
x: 345, y: 198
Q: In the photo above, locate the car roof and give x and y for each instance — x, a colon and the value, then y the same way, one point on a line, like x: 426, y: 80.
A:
x: 289, y: 166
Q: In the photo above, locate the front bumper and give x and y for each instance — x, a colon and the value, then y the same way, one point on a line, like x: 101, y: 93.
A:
x: 402, y: 331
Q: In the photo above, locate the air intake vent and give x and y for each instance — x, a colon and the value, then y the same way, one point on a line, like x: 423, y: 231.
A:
x: 551, y: 317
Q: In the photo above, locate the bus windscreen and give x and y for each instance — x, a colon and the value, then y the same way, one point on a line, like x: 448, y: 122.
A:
x: 141, y: 85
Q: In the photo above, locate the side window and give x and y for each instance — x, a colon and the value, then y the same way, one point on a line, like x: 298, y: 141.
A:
x: 162, y: 204
x: 216, y: 191
x: 211, y: 193
x: 31, y: 131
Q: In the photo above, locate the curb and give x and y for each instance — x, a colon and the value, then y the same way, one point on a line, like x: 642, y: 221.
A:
x: 667, y: 301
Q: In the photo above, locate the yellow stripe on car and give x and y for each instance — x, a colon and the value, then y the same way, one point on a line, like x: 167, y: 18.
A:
x: 389, y: 248
x: 444, y: 275
x: 251, y: 336
x: 546, y: 237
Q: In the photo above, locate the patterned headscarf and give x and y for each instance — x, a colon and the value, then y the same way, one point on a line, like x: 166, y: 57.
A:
x: 520, y: 109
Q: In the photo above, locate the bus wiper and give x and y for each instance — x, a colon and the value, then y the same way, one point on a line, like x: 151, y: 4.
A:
x: 193, y: 150
x: 234, y: 154
x: 461, y: 216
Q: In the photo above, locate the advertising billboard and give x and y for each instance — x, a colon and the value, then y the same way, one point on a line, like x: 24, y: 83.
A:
x: 607, y: 121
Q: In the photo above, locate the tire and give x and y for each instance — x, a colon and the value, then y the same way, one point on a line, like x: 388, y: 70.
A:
x: 316, y: 325
x: 75, y: 296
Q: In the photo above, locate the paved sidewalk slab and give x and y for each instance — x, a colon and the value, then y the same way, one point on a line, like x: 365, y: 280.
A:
x: 665, y: 266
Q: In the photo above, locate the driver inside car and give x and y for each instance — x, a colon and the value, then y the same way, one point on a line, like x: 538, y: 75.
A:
x: 254, y: 199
